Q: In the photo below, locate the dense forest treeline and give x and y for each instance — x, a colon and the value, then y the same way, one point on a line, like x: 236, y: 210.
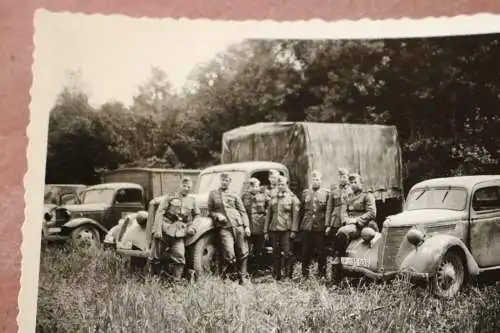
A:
x: 443, y: 94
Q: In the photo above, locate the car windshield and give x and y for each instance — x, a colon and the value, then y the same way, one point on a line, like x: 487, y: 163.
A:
x: 211, y: 181
x: 97, y: 196
x: 437, y: 198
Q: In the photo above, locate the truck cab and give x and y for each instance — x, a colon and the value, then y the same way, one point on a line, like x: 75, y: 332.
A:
x: 99, y: 209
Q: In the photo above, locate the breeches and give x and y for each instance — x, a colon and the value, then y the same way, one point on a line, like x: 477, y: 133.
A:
x: 313, y: 240
x: 281, y: 244
x: 176, y: 251
x: 257, y: 241
x: 234, y: 244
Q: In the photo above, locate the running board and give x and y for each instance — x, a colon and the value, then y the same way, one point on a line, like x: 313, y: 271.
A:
x: 485, y: 269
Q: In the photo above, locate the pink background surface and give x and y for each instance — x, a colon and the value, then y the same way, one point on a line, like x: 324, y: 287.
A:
x: 16, y: 49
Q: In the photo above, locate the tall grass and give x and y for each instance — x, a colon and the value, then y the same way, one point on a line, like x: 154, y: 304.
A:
x: 92, y: 291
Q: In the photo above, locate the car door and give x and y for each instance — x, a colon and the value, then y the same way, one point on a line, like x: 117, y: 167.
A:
x: 127, y: 200
x: 485, y: 224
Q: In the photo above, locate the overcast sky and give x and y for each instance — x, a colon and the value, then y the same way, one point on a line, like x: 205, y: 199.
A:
x: 115, y: 53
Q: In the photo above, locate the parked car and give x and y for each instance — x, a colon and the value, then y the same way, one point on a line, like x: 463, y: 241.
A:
x: 100, y: 208
x: 448, y: 233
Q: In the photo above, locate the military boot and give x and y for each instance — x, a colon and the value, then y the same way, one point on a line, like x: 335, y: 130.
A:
x: 242, y: 271
x: 277, y: 268
x: 336, y: 270
x: 177, y: 271
x: 288, y: 263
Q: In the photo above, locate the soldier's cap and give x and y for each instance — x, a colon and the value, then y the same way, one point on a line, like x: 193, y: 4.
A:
x: 254, y: 181
x: 187, y: 180
x: 316, y: 174
x: 274, y: 172
x: 225, y: 175
x: 282, y: 179
x: 354, y: 176
x: 343, y: 171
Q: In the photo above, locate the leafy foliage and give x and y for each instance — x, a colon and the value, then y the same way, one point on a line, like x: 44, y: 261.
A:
x: 441, y: 93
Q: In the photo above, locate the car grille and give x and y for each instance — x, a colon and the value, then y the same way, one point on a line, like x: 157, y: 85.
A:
x: 393, y: 238
x: 61, y: 215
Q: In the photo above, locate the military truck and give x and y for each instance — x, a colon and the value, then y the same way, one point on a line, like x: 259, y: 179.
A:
x: 373, y: 151
x: 101, y: 207
x: 295, y: 150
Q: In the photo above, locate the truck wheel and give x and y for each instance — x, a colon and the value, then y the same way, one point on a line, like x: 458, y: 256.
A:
x: 450, y: 275
x: 86, y: 236
x: 203, y: 255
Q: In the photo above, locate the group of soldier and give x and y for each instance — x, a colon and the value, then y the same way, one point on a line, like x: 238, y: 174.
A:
x: 273, y: 213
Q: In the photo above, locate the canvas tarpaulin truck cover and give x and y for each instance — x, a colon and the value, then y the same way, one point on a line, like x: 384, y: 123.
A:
x: 373, y: 151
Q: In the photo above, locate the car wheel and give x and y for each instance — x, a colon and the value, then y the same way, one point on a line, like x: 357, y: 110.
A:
x: 450, y: 275
x: 86, y: 236
x: 204, y: 255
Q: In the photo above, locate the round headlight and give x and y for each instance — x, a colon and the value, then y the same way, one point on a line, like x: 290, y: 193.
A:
x: 415, y: 237
x: 47, y: 217
x: 367, y: 234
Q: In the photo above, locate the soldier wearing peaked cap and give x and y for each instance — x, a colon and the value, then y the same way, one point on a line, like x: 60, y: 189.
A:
x: 231, y: 219
x: 361, y: 213
x: 312, y: 226
x: 172, y: 224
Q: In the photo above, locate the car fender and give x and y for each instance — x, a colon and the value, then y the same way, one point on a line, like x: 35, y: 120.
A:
x: 79, y: 221
x: 425, y: 257
x: 201, y: 225
x: 134, y: 234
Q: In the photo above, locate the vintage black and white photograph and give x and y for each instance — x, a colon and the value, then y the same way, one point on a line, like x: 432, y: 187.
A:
x: 203, y: 176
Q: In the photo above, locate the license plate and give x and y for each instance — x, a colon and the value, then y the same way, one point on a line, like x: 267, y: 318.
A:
x: 353, y: 261
x: 54, y: 230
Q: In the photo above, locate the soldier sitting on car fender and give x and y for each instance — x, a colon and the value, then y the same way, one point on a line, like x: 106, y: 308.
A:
x: 255, y: 203
x: 172, y: 225
x: 361, y: 210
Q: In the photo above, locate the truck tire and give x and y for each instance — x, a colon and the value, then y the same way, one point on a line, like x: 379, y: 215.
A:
x: 203, y: 255
x: 450, y: 275
x: 86, y: 236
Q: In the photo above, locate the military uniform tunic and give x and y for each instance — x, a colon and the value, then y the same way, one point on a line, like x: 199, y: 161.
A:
x: 256, y: 207
x: 314, y: 209
x: 361, y: 210
x: 175, y: 213
x: 336, y: 211
x: 226, y: 203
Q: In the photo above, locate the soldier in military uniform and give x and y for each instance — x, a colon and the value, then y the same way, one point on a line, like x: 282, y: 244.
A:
x: 282, y: 223
x: 230, y: 217
x: 172, y: 224
x: 312, y: 227
x: 336, y: 207
x: 361, y: 213
x: 254, y: 200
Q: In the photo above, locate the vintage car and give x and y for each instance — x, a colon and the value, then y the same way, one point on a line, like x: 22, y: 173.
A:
x: 135, y: 241
x: 448, y: 232
x: 99, y: 209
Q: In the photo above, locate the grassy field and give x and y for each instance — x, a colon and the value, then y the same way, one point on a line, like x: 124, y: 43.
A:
x: 91, y: 291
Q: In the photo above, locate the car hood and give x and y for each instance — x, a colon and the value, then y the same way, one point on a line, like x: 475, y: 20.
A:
x: 95, y: 207
x: 423, y: 216
x: 201, y: 199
